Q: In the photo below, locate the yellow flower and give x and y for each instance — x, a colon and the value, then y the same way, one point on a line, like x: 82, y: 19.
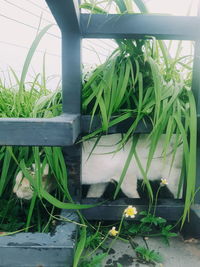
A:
x: 130, y: 212
x: 113, y: 232
x: 163, y: 182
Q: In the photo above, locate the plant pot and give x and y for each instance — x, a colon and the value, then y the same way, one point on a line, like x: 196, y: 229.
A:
x: 40, y: 249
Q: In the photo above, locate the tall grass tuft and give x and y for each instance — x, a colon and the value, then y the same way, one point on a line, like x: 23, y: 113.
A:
x: 141, y: 80
x: 24, y: 99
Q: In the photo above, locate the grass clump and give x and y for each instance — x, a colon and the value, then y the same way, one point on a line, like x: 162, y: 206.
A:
x: 32, y: 99
x: 142, y: 81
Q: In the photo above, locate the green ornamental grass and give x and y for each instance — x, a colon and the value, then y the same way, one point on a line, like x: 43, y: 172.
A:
x: 142, y: 81
x: 139, y: 80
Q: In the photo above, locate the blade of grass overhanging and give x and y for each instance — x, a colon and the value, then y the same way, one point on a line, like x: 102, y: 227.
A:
x: 95, y: 144
x: 131, y: 129
x: 93, y: 8
x: 168, y: 135
x: 129, y: 6
x: 80, y: 246
x: 30, y: 55
x: 154, y: 138
x: 191, y: 174
x: 30, y: 211
x: 98, y: 96
x: 44, y: 78
x: 104, y: 117
x: 61, y: 205
x: 140, y: 89
x: 108, y: 78
x: 4, y: 171
x: 165, y: 111
x: 64, y: 180
x: 14, y: 75
x: 157, y: 86
x: 111, y: 109
x: 184, y: 138
x: 121, y: 5
x: 54, y: 201
x: 27, y: 174
x: 165, y: 53
x: 123, y: 88
x: 127, y: 163
x: 145, y: 179
x: 141, y: 6
x: 119, y: 78
x: 38, y: 171
x: 181, y: 180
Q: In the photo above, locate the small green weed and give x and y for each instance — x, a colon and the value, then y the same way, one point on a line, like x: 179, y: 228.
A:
x: 147, y: 255
x: 102, y: 238
x: 95, y: 261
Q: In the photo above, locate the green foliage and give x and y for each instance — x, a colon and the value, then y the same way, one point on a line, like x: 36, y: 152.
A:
x: 14, y: 213
x: 97, y: 243
x: 93, y: 239
x: 150, y: 225
x: 151, y: 219
x: 80, y: 246
x: 149, y: 256
x: 9, y: 216
x: 22, y: 99
x: 95, y: 261
x: 167, y: 234
x: 142, y: 81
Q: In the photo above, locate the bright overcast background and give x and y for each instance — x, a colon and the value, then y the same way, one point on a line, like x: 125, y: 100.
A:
x: 20, y: 19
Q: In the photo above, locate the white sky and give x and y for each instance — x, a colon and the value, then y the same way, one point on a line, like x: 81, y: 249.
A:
x: 19, y: 20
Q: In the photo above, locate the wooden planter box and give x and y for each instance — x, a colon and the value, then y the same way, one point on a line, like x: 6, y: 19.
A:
x: 39, y: 249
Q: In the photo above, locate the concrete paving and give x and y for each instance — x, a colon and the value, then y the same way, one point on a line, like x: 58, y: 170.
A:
x: 179, y: 253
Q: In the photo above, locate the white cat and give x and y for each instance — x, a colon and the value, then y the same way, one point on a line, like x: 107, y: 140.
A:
x: 101, y: 166
x: 105, y: 165
x: 22, y: 187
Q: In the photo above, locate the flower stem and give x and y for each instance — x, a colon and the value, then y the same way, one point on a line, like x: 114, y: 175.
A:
x: 156, y: 199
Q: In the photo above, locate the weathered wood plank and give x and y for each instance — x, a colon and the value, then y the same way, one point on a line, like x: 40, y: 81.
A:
x: 169, y: 209
x: 67, y: 14
x: 41, y: 249
x: 140, y: 26
x: 58, y: 131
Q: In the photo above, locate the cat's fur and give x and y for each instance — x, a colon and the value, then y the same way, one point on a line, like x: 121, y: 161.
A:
x: 102, y: 166
x: 22, y: 187
x: 99, y: 168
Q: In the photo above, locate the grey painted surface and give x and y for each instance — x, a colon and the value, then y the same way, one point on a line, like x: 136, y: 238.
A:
x: 179, y: 253
x: 40, y: 250
x: 113, y: 210
x: 66, y: 14
x: 58, y: 131
x: 139, y: 26
x: 192, y: 227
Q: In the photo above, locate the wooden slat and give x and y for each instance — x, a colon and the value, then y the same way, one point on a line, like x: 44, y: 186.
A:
x: 66, y: 14
x: 119, y: 128
x: 140, y: 26
x: 58, y: 131
x: 169, y: 209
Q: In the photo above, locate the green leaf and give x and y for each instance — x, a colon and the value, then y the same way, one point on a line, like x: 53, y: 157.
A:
x: 30, y: 55
x: 80, y: 247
